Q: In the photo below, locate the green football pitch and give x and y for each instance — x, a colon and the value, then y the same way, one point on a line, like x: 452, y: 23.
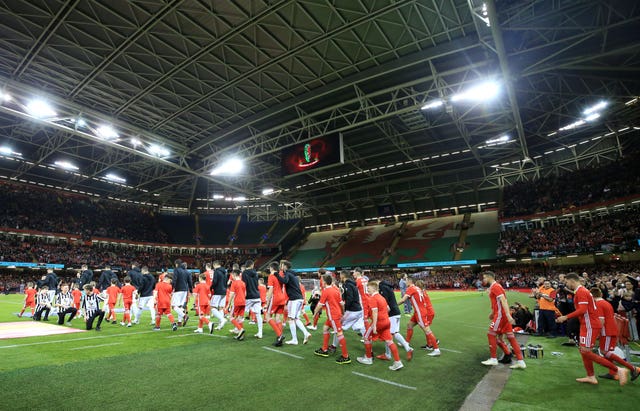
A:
x: 137, y: 368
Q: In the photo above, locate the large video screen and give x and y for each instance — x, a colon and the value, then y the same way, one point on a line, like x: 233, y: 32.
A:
x: 313, y: 154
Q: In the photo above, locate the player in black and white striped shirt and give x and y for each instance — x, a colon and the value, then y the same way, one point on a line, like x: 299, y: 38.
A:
x: 64, y: 303
x: 91, y: 307
x: 43, y: 304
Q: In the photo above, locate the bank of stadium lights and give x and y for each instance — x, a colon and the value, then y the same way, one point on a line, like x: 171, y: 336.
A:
x: 135, y: 142
x: 39, y: 108
x: 590, y: 114
x: 240, y: 198
x: 498, y: 141
x: 116, y: 178
x: 5, y: 97
x: 158, y: 151
x: 107, y: 132
x: 8, y: 152
x: 484, y: 91
x: 267, y: 191
x: 230, y: 167
x: 66, y: 165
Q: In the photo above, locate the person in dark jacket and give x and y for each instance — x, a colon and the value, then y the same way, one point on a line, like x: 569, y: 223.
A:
x: 145, y: 294
x: 219, y: 293
x: 296, y: 300
x: 137, y: 281
x: 386, y: 290
x: 86, y: 276
x: 105, y: 278
x: 182, y: 287
x: 253, y: 302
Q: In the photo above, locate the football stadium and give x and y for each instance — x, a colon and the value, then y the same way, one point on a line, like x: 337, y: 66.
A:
x: 319, y: 204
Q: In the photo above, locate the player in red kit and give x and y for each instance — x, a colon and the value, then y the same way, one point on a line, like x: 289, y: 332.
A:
x: 609, y: 336
x: 304, y: 301
x: 237, y: 300
x: 29, y: 299
x: 202, y: 291
x: 77, y: 298
x: 590, y: 328
x: 379, y: 328
x: 276, y: 299
x: 128, y: 295
x: 501, y: 323
x: 422, y: 315
x: 331, y: 301
x: 361, y: 282
x: 112, y: 292
x: 162, y: 296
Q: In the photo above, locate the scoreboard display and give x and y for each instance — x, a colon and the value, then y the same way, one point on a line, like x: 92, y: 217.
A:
x: 314, y: 154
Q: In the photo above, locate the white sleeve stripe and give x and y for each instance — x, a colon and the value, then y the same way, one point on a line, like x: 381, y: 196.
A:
x: 584, y: 302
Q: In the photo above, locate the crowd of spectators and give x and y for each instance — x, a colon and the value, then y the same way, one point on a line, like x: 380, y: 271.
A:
x: 29, y: 208
x: 618, y: 231
x: 575, y: 189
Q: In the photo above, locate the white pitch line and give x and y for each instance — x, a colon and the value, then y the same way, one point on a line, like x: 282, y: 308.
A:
x: 94, y: 346
x: 283, y: 353
x: 384, y: 381
x: 77, y: 339
x: 450, y: 350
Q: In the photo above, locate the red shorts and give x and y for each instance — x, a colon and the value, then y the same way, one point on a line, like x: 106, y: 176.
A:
x: 418, y: 318
x: 276, y: 309
x: 588, y: 336
x: 608, y: 343
x: 238, y: 310
x: 504, y: 327
x: 127, y: 305
x: 204, y: 309
x: 163, y: 311
x: 111, y: 306
x: 335, y: 324
x: 430, y: 319
x: 30, y: 304
x: 383, y: 333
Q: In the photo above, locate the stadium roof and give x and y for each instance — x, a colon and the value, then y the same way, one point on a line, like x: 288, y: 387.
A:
x: 159, y: 93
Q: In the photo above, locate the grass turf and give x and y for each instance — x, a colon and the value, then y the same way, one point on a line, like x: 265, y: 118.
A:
x: 136, y: 368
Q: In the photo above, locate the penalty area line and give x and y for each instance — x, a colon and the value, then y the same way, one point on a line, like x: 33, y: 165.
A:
x: 408, y: 387
x: 94, y: 346
x: 283, y: 353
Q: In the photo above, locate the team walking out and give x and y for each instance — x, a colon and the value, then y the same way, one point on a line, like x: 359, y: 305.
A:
x: 349, y: 302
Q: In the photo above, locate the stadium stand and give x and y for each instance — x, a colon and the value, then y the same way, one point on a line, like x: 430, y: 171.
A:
x: 317, y: 247
x: 427, y: 240
x: 481, y: 237
x: 252, y: 232
x: 217, y: 229
x: 179, y: 228
x: 365, y: 246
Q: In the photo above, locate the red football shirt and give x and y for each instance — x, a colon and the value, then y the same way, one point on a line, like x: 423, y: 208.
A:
x: 209, y: 279
x: 112, y: 292
x: 497, y: 309
x: 263, y: 293
x: 417, y: 300
x: 77, y: 295
x: 586, y: 309
x: 164, y: 291
x: 127, y: 293
x: 278, y: 297
x: 331, y: 299
x: 605, y: 310
x: 376, y: 301
x: 240, y: 289
x: 31, y: 295
x: 203, y: 293
x: 427, y: 304
x: 361, y: 282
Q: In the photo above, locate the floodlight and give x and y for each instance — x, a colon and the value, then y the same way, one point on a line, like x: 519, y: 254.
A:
x: 267, y: 191
x: 483, y: 91
x: 592, y: 117
x: 499, y: 140
x: 218, y: 196
x: 135, y: 142
x: 107, y: 132
x: 66, y: 165
x: 5, y: 96
x: 240, y: 198
x: 116, y: 178
x: 40, y: 109
x: 573, y: 125
x: 80, y: 122
x: 595, y: 108
x: 158, y: 151
x: 232, y: 166
x: 432, y: 104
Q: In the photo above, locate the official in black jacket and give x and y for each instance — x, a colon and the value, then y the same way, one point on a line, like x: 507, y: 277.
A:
x: 296, y: 300
x: 86, y: 276
x: 353, y: 317
x: 386, y: 290
x: 105, y: 278
x: 145, y: 296
x: 253, y: 303
x: 182, y: 286
x: 219, y: 293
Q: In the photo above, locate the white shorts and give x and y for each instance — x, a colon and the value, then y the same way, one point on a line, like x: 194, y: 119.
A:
x: 218, y: 301
x: 395, y: 324
x: 255, y: 305
x: 353, y: 320
x: 294, y: 308
x: 145, y: 302
x: 179, y: 298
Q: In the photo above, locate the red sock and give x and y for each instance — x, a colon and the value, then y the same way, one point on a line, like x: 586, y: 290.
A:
x: 21, y: 312
x: 343, y: 345
x: 252, y: 316
x: 432, y: 341
x: 325, y: 340
x: 205, y: 320
x: 275, y: 327
x: 394, y: 351
x: 237, y: 323
x: 589, y: 357
x: 409, y: 334
x: 493, y: 346
x: 33, y: 311
x: 614, y: 358
x: 170, y: 317
x: 504, y: 347
x: 515, y: 346
x: 127, y: 317
x: 158, y: 317
x: 200, y: 322
x: 306, y: 318
x: 368, y: 349
x: 316, y: 318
